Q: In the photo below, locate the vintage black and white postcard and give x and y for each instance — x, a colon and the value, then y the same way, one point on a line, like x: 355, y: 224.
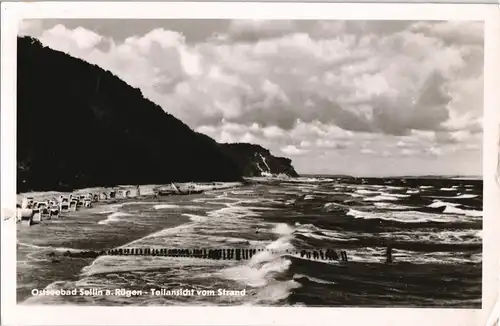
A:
x: 164, y: 160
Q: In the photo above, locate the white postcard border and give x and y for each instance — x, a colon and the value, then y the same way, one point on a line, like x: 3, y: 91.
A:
x: 14, y: 314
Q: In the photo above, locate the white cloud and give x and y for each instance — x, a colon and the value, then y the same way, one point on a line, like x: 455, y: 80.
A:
x: 408, y: 87
x: 367, y: 151
x: 292, y: 150
x: 77, y: 39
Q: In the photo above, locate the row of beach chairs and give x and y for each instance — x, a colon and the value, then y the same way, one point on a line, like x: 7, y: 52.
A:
x: 31, y: 211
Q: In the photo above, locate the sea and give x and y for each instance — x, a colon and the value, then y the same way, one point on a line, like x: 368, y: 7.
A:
x: 434, y: 226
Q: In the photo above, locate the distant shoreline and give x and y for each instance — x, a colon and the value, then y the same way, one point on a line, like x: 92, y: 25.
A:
x: 145, y: 190
x: 450, y: 177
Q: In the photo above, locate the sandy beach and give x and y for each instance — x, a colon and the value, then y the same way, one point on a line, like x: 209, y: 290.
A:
x: 41, y: 247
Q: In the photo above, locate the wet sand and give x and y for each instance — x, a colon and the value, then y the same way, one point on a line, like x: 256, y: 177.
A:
x: 41, y: 247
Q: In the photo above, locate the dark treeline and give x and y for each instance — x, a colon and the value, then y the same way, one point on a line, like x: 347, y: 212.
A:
x: 80, y: 126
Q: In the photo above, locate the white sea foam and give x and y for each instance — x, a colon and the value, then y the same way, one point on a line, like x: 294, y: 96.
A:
x: 394, y: 195
x: 311, y: 231
x: 195, y: 218
x: 61, y: 249
x: 313, y: 180
x: 380, y: 198
x: 114, y: 217
x: 433, y: 236
x: 426, y: 187
x: 413, y: 191
x: 438, y: 203
x: 390, y: 206
x: 448, y: 189
x: 377, y: 255
x: 460, y: 196
x: 262, y: 270
x: 467, y: 212
x: 283, y: 229
x: 394, y: 187
x: 312, y: 279
x: 366, y: 192
x: 402, y: 216
x: 172, y: 206
x: 465, y: 196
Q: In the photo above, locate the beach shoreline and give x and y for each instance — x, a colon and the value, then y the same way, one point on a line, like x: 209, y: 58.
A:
x: 41, y: 248
x: 145, y: 190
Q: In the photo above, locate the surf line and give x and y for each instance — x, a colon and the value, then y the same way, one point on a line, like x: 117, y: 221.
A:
x: 216, y: 254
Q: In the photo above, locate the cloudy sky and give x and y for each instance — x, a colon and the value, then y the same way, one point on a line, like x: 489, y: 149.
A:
x: 354, y: 97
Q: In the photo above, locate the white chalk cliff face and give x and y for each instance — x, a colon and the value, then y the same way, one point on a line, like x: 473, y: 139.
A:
x: 266, y: 171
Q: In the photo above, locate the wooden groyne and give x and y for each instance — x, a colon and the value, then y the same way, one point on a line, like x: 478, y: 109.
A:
x: 209, y: 253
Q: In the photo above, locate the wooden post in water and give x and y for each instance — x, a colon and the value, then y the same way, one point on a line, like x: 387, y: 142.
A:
x: 388, y: 254
x: 238, y: 254
x: 343, y: 254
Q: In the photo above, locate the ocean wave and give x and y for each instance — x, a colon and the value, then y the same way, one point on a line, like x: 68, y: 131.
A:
x: 114, y: 217
x: 128, y: 203
x: 426, y: 187
x: 366, y: 192
x: 438, y: 203
x: 377, y: 255
x: 402, y: 216
x: 172, y: 206
x: 333, y: 206
x: 464, y: 196
x: 381, y: 198
x: 313, y: 180
x: 467, y: 212
x: 47, y: 248
x: 195, y: 218
x: 445, y: 257
x: 413, y: 191
x: 122, y: 264
x: 275, y: 291
x: 107, y: 209
x: 460, y: 196
x: 468, y: 236
x: 394, y: 195
x: 390, y: 206
x: 312, y: 231
x: 311, y: 279
x: 283, y: 229
x: 233, y: 222
x: 265, y: 267
x: 448, y: 189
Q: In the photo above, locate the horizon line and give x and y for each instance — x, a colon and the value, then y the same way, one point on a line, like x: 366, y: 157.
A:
x: 393, y: 176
